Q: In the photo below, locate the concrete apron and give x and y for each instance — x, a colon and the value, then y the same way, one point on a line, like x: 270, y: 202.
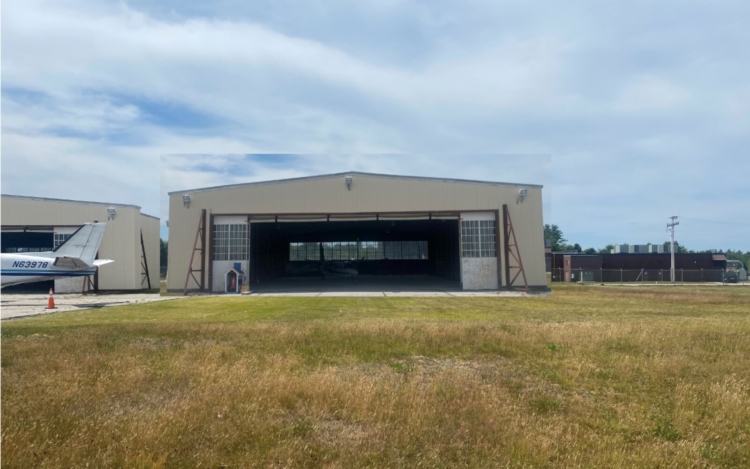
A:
x: 399, y: 294
x: 22, y: 305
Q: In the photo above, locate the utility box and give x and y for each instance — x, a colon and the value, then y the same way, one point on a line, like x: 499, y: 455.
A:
x: 233, y: 280
x: 581, y: 267
x: 586, y: 276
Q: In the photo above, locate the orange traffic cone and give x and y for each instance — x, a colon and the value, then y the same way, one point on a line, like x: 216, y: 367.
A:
x: 51, y: 300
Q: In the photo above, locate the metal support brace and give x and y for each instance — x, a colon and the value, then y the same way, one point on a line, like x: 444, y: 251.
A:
x: 512, y: 251
x: 200, y: 236
x: 144, y: 264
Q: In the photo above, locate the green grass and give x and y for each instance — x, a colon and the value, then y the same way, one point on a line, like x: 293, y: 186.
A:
x: 590, y: 377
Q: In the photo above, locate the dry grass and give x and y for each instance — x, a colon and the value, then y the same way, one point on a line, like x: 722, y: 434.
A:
x: 591, y: 377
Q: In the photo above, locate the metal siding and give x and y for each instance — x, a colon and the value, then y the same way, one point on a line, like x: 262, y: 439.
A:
x: 151, y: 237
x: 183, y: 224
x: 659, y: 261
x: 369, y: 194
x: 117, y: 243
x: 586, y: 262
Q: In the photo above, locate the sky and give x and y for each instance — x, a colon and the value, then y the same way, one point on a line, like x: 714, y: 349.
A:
x: 627, y: 113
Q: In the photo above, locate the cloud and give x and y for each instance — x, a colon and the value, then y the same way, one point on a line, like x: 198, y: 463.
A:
x: 652, y: 94
x: 643, y: 107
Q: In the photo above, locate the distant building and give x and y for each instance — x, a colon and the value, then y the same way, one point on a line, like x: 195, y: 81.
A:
x: 557, y: 259
x: 651, y: 248
x: 635, y: 267
x: 131, y: 239
x: 736, y: 271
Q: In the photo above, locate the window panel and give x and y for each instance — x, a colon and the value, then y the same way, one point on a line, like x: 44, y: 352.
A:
x: 478, y: 238
x: 488, y: 238
x: 423, y: 248
x: 59, y: 239
x: 393, y: 250
x: 410, y: 249
x: 350, y: 250
x: 230, y: 242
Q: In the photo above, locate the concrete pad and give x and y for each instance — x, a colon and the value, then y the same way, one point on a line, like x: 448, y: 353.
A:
x: 363, y: 283
x: 415, y: 293
x: 395, y: 294
x: 14, y: 306
x: 282, y: 294
x: 351, y: 293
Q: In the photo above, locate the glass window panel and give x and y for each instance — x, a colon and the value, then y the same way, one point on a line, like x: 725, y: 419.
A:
x: 230, y: 242
x: 423, y: 248
x: 392, y: 249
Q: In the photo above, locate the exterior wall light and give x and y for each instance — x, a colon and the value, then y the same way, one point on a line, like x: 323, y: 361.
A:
x: 186, y: 201
x: 111, y: 212
x: 521, y: 195
x: 348, y: 180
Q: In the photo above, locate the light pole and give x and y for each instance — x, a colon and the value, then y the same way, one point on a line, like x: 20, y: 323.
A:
x: 670, y: 228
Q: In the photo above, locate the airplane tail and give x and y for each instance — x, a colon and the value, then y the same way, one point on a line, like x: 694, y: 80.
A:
x: 83, y: 244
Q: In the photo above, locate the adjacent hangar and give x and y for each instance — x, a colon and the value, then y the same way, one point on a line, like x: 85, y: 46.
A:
x: 395, y: 232
x: 131, y: 239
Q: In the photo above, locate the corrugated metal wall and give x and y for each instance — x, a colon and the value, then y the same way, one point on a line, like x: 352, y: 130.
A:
x: 368, y: 194
x: 121, y: 240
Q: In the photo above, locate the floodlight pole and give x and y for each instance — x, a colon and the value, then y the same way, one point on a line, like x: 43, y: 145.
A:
x: 670, y: 228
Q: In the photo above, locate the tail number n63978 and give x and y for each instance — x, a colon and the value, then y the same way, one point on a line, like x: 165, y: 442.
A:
x: 30, y: 264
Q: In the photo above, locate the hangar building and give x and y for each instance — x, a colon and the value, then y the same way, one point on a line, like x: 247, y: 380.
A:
x: 414, y: 232
x: 131, y: 239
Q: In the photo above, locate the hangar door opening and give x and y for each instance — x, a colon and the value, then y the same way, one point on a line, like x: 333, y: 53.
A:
x: 383, y: 254
x: 41, y: 239
x: 27, y: 241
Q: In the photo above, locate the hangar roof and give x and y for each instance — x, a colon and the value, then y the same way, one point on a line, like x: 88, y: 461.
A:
x: 353, y: 173
x: 47, y: 199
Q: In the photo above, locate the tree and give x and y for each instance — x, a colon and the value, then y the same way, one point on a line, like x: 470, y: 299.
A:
x: 739, y: 256
x: 607, y: 249
x: 678, y: 248
x: 163, y: 250
x: 555, y: 236
x: 590, y: 251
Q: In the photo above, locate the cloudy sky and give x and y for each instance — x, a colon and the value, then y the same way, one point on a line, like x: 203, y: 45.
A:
x: 627, y: 114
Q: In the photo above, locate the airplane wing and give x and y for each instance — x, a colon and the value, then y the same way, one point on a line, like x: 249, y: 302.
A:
x: 74, y: 263
x: 99, y: 262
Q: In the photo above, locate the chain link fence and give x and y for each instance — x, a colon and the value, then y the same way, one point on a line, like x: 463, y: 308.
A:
x: 644, y: 276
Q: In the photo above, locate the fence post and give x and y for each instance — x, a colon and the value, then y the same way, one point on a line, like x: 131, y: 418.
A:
x: 601, y: 275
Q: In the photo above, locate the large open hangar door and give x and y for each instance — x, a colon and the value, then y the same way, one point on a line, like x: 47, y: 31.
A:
x: 397, y: 253
x: 31, y: 239
x: 25, y: 240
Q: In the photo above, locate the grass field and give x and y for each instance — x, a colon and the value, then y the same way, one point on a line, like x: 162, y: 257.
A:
x: 589, y: 377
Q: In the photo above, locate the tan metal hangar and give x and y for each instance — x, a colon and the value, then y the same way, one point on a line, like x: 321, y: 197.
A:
x: 470, y: 235
x: 131, y: 239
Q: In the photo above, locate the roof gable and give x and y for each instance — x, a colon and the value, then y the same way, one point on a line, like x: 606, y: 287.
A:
x: 353, y: 173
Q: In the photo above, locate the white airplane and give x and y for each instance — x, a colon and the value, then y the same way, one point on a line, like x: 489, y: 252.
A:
x: 73, y: 258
